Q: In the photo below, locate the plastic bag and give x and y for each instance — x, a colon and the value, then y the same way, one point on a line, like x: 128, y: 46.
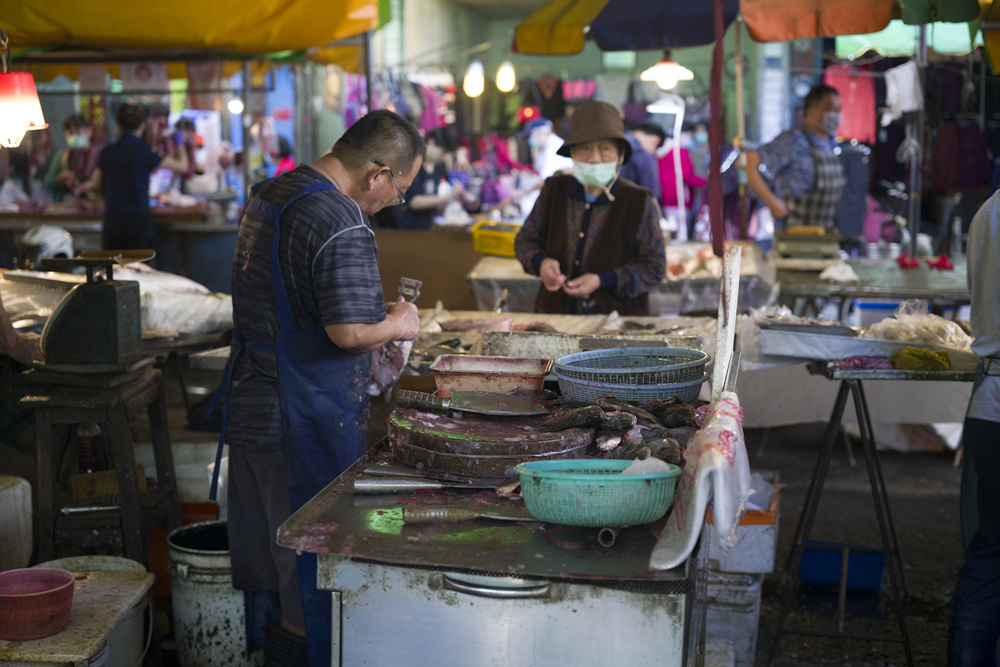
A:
x: 913, y: 324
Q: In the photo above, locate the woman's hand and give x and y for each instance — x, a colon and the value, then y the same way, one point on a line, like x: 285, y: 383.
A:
x: 551, y: 276
x: 582, y: 286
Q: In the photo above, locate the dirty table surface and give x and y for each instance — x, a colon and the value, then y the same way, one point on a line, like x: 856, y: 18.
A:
x: 100, y: 599
x: 342, y: 523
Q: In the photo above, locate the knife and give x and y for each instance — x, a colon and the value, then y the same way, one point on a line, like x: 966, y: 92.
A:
x: 400, y: 485
x: 482, y: 402
x: 430, y: 514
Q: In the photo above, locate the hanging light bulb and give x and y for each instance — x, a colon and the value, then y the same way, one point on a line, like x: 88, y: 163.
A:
x: 475, y: 79
x: 667, y: 72
x: 20, y: 110
x: 235, y: 106
x: 506, y: 79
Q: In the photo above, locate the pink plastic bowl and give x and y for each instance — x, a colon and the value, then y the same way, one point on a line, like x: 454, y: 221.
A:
x: 35, y: 602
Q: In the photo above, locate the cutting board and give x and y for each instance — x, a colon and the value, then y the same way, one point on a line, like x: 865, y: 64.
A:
x: 475, y: 446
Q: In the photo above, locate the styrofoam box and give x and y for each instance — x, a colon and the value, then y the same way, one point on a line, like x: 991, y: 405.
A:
x: 733, y: 613
x: 826, y: 347
x: 756, y: 537
x: 16, y: 536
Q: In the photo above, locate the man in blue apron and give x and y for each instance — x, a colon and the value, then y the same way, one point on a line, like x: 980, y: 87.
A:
x: 798, y: 175
x: 307, y: 310
x: 975, y: 609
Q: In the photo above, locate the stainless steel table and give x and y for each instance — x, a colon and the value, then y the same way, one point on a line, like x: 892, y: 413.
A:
x: 850, y: 384
x: 486, y: 592
x: 881, y: 279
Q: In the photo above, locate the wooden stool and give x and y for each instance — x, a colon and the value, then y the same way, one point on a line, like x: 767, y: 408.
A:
x: 115, y: 402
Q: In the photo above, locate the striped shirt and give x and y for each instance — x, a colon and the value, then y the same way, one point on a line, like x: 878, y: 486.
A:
x: 329, y: 264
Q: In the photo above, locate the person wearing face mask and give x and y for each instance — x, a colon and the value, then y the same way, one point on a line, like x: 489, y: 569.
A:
x: 798, y: 175
x: 592, y: 237
x: 72, y: 167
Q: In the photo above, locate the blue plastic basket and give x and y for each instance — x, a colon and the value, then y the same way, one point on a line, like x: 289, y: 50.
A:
x: 593, y: 493
x: 634, y: 365
x: 586, y: 392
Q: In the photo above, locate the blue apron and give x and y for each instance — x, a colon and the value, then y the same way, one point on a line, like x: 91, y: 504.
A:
x: 323, y: 394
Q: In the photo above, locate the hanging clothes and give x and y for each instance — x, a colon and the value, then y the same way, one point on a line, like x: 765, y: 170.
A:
x: 857, y: 96
x: 849, y: 216
x: 553, y: 104
x: 903, y: 92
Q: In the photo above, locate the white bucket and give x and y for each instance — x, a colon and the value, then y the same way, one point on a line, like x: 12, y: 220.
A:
x: 127, y: 642
x: 209, y: 618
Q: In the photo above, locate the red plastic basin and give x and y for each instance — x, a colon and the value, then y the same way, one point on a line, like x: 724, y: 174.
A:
x: 35, y: 602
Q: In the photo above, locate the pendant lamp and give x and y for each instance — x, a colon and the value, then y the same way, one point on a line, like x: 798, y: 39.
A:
x: 667, y: 72
x: 475, y: 79
x: 20, y: 110
x: 506, y: 78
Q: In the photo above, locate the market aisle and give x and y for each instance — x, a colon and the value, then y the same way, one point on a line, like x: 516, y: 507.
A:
x: 923, y: 494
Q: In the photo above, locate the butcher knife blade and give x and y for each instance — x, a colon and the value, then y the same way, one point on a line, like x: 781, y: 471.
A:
x: 482, y: 402
x: 432, y: 513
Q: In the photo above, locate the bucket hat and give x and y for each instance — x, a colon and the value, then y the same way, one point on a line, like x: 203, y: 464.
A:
x: 593, y: 121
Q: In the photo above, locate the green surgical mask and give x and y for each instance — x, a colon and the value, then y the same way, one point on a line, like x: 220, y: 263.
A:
x: 595, y: 174
x: 78, y: 141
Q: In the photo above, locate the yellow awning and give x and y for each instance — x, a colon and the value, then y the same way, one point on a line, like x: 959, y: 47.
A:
x: 235, y: 26
x: 558, y: 27
x: 990, y: 26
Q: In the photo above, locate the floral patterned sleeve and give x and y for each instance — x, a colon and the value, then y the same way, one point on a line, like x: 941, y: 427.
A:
x: 650, y: 266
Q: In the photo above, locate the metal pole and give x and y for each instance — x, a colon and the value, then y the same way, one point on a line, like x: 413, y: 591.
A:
x: 741, y: 128
x: 916, y: 160
x: 368, y: 68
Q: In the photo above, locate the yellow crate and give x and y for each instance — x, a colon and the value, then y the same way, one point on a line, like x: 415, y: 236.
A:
x: 494, y: 238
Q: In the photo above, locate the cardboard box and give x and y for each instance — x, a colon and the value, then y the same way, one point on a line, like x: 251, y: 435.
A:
x: 756, y: 537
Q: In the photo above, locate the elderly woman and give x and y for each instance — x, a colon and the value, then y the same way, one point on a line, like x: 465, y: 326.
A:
x: 593, y: 238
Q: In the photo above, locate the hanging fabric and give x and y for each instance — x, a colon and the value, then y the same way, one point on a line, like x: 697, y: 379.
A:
x: 857, y: 97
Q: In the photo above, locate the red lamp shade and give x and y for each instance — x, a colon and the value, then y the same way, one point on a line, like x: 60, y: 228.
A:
x: 20, y: 110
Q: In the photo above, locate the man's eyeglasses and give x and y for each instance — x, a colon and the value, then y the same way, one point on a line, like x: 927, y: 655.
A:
x: 400, y: 199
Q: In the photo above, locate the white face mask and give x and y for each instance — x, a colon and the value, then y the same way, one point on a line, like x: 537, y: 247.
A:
x: 831, y: 121
x: 595, y: 174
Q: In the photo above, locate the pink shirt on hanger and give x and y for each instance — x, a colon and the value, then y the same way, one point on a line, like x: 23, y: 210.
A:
x: 857, y: 97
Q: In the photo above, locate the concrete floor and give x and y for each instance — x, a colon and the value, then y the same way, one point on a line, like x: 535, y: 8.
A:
x: 923, y: 491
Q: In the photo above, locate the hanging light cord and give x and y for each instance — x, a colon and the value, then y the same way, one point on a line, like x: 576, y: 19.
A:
x: 6, y: 51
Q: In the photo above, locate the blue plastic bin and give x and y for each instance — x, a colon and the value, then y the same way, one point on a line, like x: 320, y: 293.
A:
x: 821, y: 565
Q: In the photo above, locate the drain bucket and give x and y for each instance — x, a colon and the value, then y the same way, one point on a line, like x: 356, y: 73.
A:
x: 209, y: 619
x: 126, y: 644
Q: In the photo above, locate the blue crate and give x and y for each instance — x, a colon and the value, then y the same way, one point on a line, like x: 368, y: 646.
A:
x: 821, y: 565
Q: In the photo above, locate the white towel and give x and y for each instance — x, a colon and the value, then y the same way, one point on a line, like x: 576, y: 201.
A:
x: 716, y: 467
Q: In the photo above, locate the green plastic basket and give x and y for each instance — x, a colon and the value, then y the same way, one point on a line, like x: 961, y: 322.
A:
x: 593, y: 493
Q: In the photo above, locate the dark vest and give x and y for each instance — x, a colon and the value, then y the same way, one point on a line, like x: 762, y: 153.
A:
x: 615, y: 242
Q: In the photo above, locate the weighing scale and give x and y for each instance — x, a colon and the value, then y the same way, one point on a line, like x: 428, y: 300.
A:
x: 99, y: 321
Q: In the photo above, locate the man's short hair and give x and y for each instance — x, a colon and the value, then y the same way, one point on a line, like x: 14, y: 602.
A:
x: 131, y: 116
x: 652, y: 129
x: 816, y: 95
x: 383, y: 136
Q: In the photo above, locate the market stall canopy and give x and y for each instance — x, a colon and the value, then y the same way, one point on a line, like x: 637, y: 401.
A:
x: 187, y: 26
x: 990, y: 26
x: 781, y: 20
x: 560, y: 27
x: 900, y: 39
